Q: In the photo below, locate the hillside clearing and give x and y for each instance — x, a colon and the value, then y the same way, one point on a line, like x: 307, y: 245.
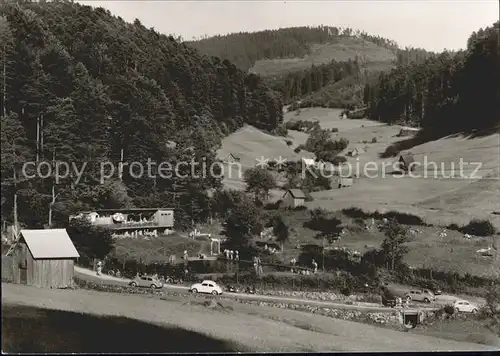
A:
x: 341, y: 49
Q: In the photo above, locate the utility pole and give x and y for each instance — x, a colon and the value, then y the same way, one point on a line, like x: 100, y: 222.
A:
x: 4, y: 75
x: 41, y: 135
x: 54, y: 196
x: 37, y: 139
x: 120, y: 168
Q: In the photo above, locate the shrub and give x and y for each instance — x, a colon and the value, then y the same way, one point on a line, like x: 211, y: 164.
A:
x: 453, y: 227
x: 338, y: 160
x: 346, y: 291
x: 374, y: 140
x: 334, y: 129
x: 289, y: 142
x: 301, y: 208
x: 478, y: 228
x: 449, y: 310
x: 281, y: 130
x: 297, y: 149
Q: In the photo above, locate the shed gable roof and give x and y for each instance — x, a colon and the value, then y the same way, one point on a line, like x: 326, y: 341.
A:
x: 297, y: 193
x: 49, y: 243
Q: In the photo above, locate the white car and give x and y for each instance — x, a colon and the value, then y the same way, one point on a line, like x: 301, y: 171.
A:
x: 465, y: 306
x: 209, y: 287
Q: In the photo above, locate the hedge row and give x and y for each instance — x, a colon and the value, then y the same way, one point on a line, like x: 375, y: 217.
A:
x: 402, y: 218
x: 475, y: 227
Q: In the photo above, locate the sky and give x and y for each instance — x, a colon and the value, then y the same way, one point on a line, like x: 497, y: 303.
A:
x: 433, y: 25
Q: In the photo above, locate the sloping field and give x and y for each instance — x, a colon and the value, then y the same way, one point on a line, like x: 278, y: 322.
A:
x: 250, y: 144
x: 255, y: 332
x: 441, y: 189
x: 342, y: 49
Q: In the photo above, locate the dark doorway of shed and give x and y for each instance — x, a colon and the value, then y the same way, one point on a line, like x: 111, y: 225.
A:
x: 23, y: 275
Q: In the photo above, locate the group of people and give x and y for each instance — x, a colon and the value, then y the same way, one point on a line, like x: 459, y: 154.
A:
x: 232, y: 255
x: 257, y: 264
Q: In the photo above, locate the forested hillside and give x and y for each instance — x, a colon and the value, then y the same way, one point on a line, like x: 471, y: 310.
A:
x: 301, y: 61
x: 98, y: 85
x: 244, y: 48
x: 451, y: 92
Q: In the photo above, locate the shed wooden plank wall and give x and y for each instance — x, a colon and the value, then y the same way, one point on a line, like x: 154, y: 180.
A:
x: 51, y: 273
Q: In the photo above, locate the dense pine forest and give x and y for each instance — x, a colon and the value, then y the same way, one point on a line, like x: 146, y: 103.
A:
x: 99, y: 87
x: 451, y: 92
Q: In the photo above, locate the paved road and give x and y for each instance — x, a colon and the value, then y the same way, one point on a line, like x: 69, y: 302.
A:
x: 326, y: 304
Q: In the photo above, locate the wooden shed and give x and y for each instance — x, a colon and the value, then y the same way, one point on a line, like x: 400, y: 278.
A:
x: 294, y: 198
x: 43, y: 258
x: 345, y: 182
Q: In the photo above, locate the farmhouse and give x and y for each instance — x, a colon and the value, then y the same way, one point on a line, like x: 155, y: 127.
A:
x: 42, y: 258
x: 134, y: 221
x: 294, y: 198
x: 231, y: 158
x: 405, y: 162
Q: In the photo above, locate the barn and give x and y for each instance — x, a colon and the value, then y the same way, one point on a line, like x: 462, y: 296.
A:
x: 294, y: 198
x: 42, y: 258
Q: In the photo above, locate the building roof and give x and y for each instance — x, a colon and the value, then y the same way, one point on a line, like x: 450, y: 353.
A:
x: 130, y: 210
x: 407, y: 158
x: 308, y: 161
x: 49, y: 243
x: 297, y: 193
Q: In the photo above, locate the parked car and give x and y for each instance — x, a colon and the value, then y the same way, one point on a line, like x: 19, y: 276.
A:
x: 206, y: 286
x: 465, y: 306
x: 423, y: 295
x: 146, y: 281
x: 232, y: 289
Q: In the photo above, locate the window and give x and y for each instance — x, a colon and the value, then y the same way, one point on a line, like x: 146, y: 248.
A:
x: 210, y: 285
x: 204, y: 284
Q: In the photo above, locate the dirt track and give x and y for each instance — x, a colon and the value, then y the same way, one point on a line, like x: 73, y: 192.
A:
x: 252, y: 332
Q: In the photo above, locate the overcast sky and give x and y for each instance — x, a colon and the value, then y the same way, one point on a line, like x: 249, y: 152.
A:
x: 433, y: 25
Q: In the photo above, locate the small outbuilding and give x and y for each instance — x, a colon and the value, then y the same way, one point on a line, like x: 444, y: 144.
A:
x: 231, y: 158
x: 406, y: 162
x: 42, y: 258
x: 355, y: 152
x: 294, y: 198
